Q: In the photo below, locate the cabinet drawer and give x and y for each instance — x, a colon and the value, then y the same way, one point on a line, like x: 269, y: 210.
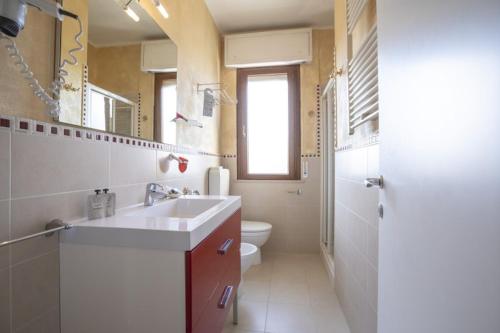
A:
x: 214, y: 315
x: 210, y: 266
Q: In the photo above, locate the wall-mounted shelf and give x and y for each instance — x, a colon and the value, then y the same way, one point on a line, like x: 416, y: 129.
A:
x: 218, y: 91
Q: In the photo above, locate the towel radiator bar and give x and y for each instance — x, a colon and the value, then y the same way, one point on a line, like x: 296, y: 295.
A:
x: 363, y: 83
x: 354, y: 10
x: 50, y: 228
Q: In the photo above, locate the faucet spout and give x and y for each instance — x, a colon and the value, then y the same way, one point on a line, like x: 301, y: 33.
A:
x: 156, y: 192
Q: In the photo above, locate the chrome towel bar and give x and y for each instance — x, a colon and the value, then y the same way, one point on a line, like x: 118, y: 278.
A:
x: 50, y: 229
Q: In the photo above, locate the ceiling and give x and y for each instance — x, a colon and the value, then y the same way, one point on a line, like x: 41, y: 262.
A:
x: 250, y: 15
x: 109, y: 25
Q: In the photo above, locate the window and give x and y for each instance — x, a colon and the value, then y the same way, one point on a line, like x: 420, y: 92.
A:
x: 165, y: 107
x: 269, y: 123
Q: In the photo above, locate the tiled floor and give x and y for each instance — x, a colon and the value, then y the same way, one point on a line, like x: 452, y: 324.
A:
x: 288, y: 294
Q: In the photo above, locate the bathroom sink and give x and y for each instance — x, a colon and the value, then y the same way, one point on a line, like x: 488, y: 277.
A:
x: 184, y: 208
x: 172, y: 224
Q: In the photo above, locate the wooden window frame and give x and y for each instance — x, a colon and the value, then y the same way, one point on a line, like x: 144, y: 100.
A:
x: 159, y: 78
x: 294, y: 162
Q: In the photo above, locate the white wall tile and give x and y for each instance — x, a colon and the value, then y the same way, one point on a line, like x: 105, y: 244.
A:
x: 356, y: 237
x: 44, y: 165
x: 48, y: 322
x: 30, y: 216
x: 4, y: 165
x: 372, y: 285
x: 35, y: 288
x: 372, y: 245
x: 4, y: 232
x: 5, y: 300
x: 130, y: 165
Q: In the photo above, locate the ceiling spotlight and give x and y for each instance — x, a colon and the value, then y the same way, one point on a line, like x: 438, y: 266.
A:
x: 160, y: 8
x: 130, y: 12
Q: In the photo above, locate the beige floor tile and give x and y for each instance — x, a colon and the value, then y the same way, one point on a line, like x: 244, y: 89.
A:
x: 289, y: 318
x: 262, y: 272
x: 251, y: 316
x: 295, y: 258
x: 285, y: 292
x: 292, y: 293
x: 330, y: 319
x: 230, y: 328
x: 257, y: 291
x: 291, y: 273
x: 322, y: 295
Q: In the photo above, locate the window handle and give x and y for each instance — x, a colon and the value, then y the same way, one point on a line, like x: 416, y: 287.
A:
x: 244, y: 131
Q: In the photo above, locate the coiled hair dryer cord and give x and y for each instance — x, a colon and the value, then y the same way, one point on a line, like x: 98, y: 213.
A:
x: 52, y: 102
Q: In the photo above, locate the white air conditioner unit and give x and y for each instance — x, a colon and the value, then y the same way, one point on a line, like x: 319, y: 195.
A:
x: 159, y: 56
x: 270, y: 48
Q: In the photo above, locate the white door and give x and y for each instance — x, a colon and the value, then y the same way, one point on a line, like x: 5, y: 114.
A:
x: 439, y: 82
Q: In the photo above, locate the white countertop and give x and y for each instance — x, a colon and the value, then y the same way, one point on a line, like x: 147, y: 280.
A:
x: 140, y: 226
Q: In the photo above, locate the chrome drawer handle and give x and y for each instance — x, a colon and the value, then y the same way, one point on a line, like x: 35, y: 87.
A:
x: 225, y: 247
x: 226, y: 296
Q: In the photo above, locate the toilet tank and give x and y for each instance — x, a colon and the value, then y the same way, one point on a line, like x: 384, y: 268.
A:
x: 218, y: 181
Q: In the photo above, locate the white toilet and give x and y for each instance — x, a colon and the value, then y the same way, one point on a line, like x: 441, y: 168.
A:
x: 248, y: 253
x: 252, y: 232
x: 256, y: 233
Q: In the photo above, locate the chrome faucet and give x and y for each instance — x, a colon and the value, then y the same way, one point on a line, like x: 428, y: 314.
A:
x: 155, y: 192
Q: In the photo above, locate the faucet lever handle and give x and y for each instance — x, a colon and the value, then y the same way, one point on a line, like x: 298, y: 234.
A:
x: 155, y: 186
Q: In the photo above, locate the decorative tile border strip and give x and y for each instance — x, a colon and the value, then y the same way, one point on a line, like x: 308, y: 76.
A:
x: 35, y: 127
x: 302, y: 156
x: 318, y: 120
x: 139, y: 114
x: 84, y: 93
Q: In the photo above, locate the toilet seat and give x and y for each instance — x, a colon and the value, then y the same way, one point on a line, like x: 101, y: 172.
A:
x: 255, y: 227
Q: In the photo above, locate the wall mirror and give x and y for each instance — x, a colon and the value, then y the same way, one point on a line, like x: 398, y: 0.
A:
x: 125, y: 81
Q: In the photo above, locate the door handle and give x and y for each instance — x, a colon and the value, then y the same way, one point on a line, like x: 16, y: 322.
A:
x: 371, y: 182
x: 226, y: 296
x: 225, y: 247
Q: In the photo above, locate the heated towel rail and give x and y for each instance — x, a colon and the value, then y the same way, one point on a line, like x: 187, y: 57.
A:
x: 354, y: 10
x: 50, y: 228
x: 363, y: 83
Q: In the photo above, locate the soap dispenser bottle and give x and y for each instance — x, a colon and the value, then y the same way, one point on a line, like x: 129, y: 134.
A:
x: 110, y: 203
x: 96, y: 205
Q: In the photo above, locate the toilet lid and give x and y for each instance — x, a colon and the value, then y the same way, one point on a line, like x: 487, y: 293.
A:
x: 254, y: 226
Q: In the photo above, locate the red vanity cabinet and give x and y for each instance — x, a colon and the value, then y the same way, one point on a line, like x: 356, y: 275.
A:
x: 213, y: 272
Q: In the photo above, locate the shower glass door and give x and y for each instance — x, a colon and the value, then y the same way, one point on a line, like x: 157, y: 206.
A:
x: 328, y: 177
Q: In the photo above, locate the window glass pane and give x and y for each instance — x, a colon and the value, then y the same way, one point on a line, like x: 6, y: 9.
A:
x: 168, y: 111
x: 267, y: 124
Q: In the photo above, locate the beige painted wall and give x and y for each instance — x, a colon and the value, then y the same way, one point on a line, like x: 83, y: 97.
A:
x: 190, y: 26
x: 311, y: 75
x: 198, y: 42
x: 118, y: 69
